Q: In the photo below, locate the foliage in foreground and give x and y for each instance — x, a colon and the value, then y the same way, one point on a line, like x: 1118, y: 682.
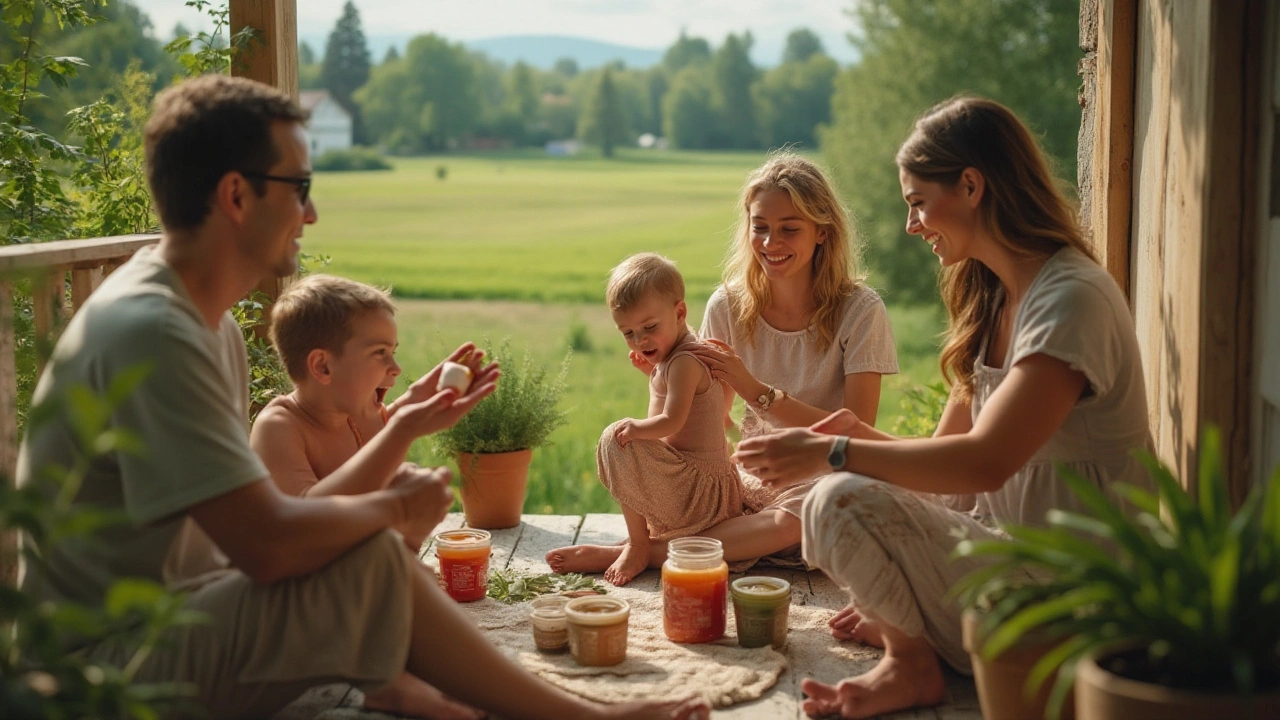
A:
x: 1195, y: 586
x: 38, y: 678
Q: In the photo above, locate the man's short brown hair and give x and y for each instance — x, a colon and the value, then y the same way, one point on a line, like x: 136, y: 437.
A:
x: 638, y: 276
x: 318, y: 313
x: 204, y: 128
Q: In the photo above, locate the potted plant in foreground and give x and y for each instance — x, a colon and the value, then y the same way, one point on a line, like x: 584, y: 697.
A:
x: 493, y: 444
x: 1174, y: 614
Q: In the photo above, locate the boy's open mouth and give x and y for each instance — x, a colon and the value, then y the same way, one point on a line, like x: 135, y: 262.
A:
x: 381, y: 394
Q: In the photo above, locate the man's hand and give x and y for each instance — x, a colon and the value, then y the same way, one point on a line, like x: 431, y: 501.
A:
x: 786, y: 457
x: 624, y: 431
x: 640, y: 362
x: 425, y: 498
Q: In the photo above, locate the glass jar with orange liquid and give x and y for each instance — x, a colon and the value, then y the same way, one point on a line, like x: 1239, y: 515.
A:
x: 695, y: 587
x: 464, y: 563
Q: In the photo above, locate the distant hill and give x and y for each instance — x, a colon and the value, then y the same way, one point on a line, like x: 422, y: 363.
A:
x: 541, y: 51
x: 544, y: 50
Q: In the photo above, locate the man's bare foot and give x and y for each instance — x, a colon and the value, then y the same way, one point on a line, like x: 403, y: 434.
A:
x: 409, y: 695
x: 633, y: 560
x: 689, y: 709
x: 849, y: 624
x: 897, y: 683
x: 583, y: 558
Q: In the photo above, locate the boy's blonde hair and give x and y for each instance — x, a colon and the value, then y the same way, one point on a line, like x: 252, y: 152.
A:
x: 834, y: 271
x: 317, y: 312
x: 638, y: 276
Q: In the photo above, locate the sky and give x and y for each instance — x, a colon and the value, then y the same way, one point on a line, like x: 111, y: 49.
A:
x: 637, y: 23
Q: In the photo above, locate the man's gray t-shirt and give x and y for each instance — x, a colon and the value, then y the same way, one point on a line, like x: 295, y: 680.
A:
x: 189, y: 412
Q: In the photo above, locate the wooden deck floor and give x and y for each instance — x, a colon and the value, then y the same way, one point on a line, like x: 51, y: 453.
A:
x: 522, y: 548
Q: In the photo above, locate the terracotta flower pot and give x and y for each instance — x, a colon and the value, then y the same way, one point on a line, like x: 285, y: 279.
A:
x: 1103, y: 695
x: 493, y: 487
x: 1002, y: 680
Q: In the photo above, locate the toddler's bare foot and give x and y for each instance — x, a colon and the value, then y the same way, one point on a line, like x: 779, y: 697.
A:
x: 583, y: 558
x: 633, y: 560
x: 896, y: 683
x: 849, y: 624
x: 409, y: 695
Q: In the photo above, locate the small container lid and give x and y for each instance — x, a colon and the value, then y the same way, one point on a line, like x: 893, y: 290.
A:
x: 598, y: 610
x: 761, y: 587
x: 550, y: 607
x: 464, y: 538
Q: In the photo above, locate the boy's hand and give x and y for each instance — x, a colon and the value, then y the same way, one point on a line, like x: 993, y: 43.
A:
x: 624, y: 431
x: 442, y: 410
x: 425, y: 498
x: 428, y: 385
x: 640, y: 362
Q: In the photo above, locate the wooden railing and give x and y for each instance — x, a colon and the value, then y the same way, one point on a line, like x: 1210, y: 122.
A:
x: 51, y: 267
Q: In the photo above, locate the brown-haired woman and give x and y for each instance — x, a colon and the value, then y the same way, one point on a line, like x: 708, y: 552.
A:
x: 1043, y: 364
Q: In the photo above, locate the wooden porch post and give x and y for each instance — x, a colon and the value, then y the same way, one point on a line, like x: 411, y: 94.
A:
x: 271, y: 58
x: 1112, y: 168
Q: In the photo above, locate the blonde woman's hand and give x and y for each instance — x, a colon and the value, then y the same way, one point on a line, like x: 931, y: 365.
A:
x: 840, y: 422
x: 725, y: 365
x: 785, y: 457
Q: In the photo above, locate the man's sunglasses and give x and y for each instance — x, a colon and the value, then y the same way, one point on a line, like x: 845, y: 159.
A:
x: 302, y: 183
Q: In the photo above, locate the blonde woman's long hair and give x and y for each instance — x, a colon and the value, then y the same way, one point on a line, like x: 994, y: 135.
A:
x: 835, y: 262
x: 1022, y: 208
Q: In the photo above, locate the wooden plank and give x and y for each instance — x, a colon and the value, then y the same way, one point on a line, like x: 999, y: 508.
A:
x: 601, y: 529
x: 68, y: 253
x: 8, y: 385
x: 542, y: 533
x: 81, y: 287
x: 1113, y: 113
x: 504, y: 545
x: 47, y: 306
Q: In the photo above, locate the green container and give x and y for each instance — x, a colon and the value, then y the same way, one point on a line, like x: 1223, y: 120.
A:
x: 760, y: 606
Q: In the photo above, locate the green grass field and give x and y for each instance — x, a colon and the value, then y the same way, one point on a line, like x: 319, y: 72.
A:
x: 521, y: 245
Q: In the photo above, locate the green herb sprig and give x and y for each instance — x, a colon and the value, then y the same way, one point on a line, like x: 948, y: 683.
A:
x: 510, y: 587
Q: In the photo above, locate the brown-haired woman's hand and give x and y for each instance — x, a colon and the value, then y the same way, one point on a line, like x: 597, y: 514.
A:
x: 840, y: 422
x: 786, y: 457
x: 725, y: 365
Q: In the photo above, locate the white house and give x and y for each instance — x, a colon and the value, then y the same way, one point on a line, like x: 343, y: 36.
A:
x: 330, y: 124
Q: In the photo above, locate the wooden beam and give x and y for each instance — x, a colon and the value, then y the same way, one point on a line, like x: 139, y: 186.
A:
x: 1230, y: 233
x: 271, y: 58
x: 88, y: 253
x: 8, y: 385
x: 1112, y: 182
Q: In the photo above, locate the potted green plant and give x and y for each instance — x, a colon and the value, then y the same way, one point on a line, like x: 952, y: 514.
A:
x: 493, y: 444
x: 1172, y: 611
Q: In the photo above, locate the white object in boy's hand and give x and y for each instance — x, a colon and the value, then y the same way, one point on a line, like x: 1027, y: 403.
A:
x: 455, y: 375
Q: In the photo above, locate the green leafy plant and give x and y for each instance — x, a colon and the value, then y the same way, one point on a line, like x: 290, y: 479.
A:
x: 1194, y: 587
x: 922, y: 407
x: 354, y: 159
x: 520, y: 414
x: 38, y: 677
x: 511, y: 587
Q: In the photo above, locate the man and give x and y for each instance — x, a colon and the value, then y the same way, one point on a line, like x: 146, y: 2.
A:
x: 317, y: 589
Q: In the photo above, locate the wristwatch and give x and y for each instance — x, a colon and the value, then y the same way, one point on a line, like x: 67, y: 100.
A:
x: 836, y: 457
x: 769, y: 397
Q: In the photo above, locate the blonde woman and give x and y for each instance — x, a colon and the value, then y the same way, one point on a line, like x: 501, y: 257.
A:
x: 794, y: 332
x: 1043, y: 365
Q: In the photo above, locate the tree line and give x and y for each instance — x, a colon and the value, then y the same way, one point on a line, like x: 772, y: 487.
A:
x: 438, y: 95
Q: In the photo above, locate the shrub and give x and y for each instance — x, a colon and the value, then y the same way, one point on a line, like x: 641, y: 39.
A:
x: 521, y: 414
x: 355, y: 159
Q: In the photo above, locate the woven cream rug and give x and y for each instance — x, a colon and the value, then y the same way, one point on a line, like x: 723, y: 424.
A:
x: 721, y: 672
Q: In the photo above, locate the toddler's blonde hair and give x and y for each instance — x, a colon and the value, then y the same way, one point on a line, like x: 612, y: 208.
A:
x: 640, y: 275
